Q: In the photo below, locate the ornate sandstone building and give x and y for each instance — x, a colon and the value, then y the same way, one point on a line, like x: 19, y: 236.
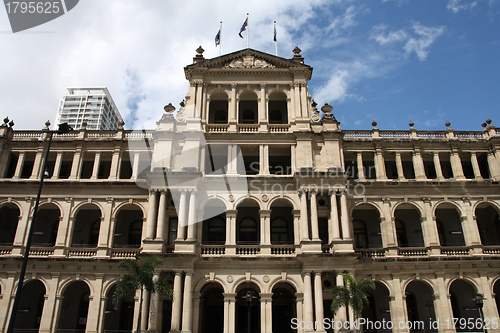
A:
x: 286, y: 202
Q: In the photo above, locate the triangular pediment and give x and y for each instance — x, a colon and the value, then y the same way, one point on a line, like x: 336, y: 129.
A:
x: 248, y: 59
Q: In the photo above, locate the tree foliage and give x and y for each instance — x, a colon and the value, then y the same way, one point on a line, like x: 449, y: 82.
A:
x: 353, y: 294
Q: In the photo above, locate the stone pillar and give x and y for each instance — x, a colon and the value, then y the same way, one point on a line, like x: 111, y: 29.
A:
x: 398, y: 305
x: 48, y: 313
x: 303, y: 100
x: 399, y: 166
x: 262, y: 106
x: 266, y: 317
x: 57, y: 166
x: 231, y: 227
x: 233, y: 106
x: 162, y: 221
x: 264, y: 159
x: 472, y: 237
x: 475, y: 166
x: 493, y: 166
x: 152, y: 215
x: 177, y: 303
x: 155, y: 310
x: 341, y: 315
x: 388, y: 227
x: 437, y: 166
x: 346, y: 230
x: 97, y: 162
x: 296, y: 224
x: 145, y: 310
x: 182, y: 216
x: 380, y: 164
x: 318, y: 301
x: 308, y: 305
x: 76, y: 165
x: 19, y: 165
x: 265, y: 227
x: 296, y: 100
x: 192, y: 219
x: 37, y: 165
x: 229, y: 312
x: 489, y: 308
x: 304, y: 227
x: 361, y: 169
x: 95, y: 311
x: 187, y: 313
x: 334, y: 226
x: 456, y: 165
x: 442, y: 305
x: 418, y: 165
x: 114, y: 172
x: 314, y: 216
x: 429, y: 228
x: 135, y: 166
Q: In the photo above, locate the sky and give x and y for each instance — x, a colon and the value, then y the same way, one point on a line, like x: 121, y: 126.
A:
x: 392, y: 61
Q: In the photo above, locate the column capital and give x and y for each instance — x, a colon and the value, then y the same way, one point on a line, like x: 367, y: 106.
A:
x: 265, y: 212
x: 386, y: 200
x: 229, y: 296
x: 426, y: 200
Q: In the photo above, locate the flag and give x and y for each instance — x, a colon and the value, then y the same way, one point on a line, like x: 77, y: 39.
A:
x: 275, y: 39
x: 217, y: 39
x: 243, y: 27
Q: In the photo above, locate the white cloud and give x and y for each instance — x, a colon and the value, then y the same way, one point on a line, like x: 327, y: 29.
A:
x: 459, y: 5
x: 380, y: 35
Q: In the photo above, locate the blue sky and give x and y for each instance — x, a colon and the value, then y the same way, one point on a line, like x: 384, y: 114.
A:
x: 390, y: 60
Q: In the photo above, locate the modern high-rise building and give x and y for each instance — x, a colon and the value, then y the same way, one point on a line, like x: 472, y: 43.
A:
x: 257, y: 203
x: 93, y: 106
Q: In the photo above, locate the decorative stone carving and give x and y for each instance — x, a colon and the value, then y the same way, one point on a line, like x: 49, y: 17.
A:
x: 230, y: 279
x: 249, y: 61
x: 266, y: 279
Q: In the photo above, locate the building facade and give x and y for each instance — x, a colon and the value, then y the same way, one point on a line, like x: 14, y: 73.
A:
x: 92, y: 108
x: 249, y: 187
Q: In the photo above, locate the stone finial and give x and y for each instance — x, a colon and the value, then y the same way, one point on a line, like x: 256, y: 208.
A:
x: 488, y: 121
x: 169, y: 108
x: 297, y: 51
x: 374, y: 123
x: 5, y: 122
x: 327, y: 109
x: 199, y: 54
x: 484, y: 125
x: 411, y: 123
x: 447, y: 124
x: 183, y: 103
x: 11, y: 124
x: 47, y: 124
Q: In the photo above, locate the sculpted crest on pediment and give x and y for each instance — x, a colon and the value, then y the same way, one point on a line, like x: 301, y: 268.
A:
x: 249, y: 61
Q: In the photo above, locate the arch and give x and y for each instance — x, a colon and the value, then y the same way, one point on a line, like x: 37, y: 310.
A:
x: 242, y: 282
x: 488, y: 223
x: 277, y: 108
x: 9, y: 221
x: 86, y: 226
x: 77, y: 208
x: 289, y: 280
x: 366, y: 226
x: 408, y: 225
x: 462, y: 294
x: 447, y: 204
x: 46, y: 225
x: 281, y: 223
x: 118, y: 319
x: 282, y: 200
x: 378, y: 305
x: 203, y: 282
x: 14, y: 203
x: 242, y: 307
x: 408, y: 205
x: 449, y: 225
x: 120, y: 206
x: 73, y: 311
x: 420, y: 304
x: 128, y: 227
x: 30, y: 309
x: 284, y: 307
x: 248, y: 222
x: 247, y: 107
x: 212, y: 308
x: 249, y: 201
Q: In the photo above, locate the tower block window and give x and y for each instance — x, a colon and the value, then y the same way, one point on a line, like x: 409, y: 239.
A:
x: 248, y: 108
x: 218, y: 109
x: 278, y: 110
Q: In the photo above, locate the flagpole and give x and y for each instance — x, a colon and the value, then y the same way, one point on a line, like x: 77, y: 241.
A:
x: 248, y: 34
x: 220, y: 39
x: 275, y: 39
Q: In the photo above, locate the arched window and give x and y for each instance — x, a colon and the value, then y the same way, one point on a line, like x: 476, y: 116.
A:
x: 248, y: 231
x: 279, y: 231
x: 135, y: 234
x: 360, y: 234
x: 216, y: 232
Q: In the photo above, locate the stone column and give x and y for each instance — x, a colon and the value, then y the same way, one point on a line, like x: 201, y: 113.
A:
x: 314, y: 216
x: 398, y: 305
x: 296, y: 100
x: 318, y: 301
x: 177, y: 303
x: 187, y: 313
x: 475, y: 166
x: 37, y: 164
x: 145, y: 310
x: 192, y: 219
x: 135, y: 166
x: 162, y: 210
x: 114, y: 172
x: 303, y: 100
x: 231, y: 314
x: 334, y: 226
x: 361, y: 169
x: 493, y: 166
x: 97, y: 162
x: 418, y: 165
x: 489, y: 308
x: 380, y: 164
x: 76, y: 165
x: 19, y: 165
x: 308, y: 305
x: 233, y: 104
x: 399, y: 166
x: 456, y: 165
x: 48, y: 313
x: 442, y: 305
x: 346, y: 230
x: 437, y: 166
x: 429, y: 228
x: 296, y: 224
x: 231, y: 228
x: 262, y: 106
x: 266, y: 320
x: 265, y: 227
x: 472, y: 237
x: 304, y: 227
x: 57, y: 166
x: 264, y: 159
x: 152, y: 215
x: 341, y: 315
x: 182, y: 216
x: 95, y: 311
x: 155, y: 309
